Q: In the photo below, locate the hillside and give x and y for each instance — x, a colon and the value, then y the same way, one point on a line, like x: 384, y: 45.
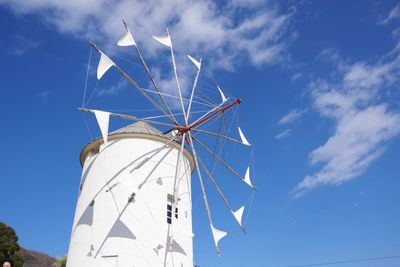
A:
x: 36, y: 259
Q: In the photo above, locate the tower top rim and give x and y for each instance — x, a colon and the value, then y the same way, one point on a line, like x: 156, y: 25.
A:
x: 138, y: 130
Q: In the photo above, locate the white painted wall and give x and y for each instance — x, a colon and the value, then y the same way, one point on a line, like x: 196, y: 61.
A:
x: 115, y: 232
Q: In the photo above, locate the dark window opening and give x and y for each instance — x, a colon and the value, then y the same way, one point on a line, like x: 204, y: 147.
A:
x: 169, y: 213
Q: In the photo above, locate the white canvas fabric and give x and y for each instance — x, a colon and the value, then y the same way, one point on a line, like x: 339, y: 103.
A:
x: 222, y: 94
x: 244, y: 140
x: 217, y: 234
x: 105, y: 64
x: 195, y: 62
x: 239, y: 214
x: 247, y: 177
x: 103, y: 119
x: 165, y: 40
x: 127, y: 40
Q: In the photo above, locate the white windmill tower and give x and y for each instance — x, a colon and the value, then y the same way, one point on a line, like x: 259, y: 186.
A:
x: 135, y: 201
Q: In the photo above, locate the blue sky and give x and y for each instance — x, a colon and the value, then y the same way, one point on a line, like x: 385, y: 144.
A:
x: 320, y: 87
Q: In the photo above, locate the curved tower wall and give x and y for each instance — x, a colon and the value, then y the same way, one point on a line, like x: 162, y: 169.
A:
x: 124, y: 209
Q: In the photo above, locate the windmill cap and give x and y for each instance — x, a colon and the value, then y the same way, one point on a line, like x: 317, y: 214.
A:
x: 138, y: 129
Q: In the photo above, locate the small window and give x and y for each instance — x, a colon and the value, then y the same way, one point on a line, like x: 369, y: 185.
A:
x: 170, y: 202
x: 169, y: 213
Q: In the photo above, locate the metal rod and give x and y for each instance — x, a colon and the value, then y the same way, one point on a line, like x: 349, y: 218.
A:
x: 171, y: 115
x: 226, y: 165
x: 134, y: 84
x: 133, y: 118
x: 211, y: 110
x: 200, y: 121
x: 177, y: 80
x: 225, y: 200
x: 177, y: 97
x: 218, y: 135
x: 203, y: 190
x: 193, y: 89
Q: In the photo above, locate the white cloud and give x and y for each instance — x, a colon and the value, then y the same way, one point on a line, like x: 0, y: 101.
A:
x: 114, y: 89
x: 296, y: 76
x: 283, y: 134
x: 359, y: 139
x: 291, y: 116
x: 393, y: 14
x: 223, y: 35
x: 23, y: 45
x: 329, y: 54
x: 364, y: 122
x: 44, y: 96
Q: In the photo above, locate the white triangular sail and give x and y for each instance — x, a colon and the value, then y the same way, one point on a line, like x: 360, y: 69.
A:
x: 238, y: 215
x: 105, y: 64
x: 165, y: 40
x: 244, y: 140
x: 103, y: 119
x: 195, y: 62
x: 222, y: 95
x: 217, y: 234
x: 127, y: 40
x: 247, y: 177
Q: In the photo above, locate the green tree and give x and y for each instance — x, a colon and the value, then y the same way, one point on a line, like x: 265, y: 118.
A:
x: 61, y: 262
x: 9, y: 245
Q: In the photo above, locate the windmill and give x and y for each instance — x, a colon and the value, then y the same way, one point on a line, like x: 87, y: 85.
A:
x: 135, y: 198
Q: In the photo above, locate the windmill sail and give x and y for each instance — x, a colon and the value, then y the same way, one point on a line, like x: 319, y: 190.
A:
x: 165, y: 40
x: 243, y: 138
x: 103, y: 119
x: 217, y: 235
x: 105, y: 64
x: 195, y: 62
x: 238, y: 215
x: 222, y: 95
x: 127, y: 40
x: 247, y: 177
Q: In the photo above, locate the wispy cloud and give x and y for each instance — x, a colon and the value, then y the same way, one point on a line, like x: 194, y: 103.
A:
x: 221, y: 34
x: 329, y: 54
x: 23, y: 45
x: 114, y: 89
x: 44, y: 96
x: 393, y: 14
x: 364, y: 123
x: 291, y: 116
x: 296, y: 76
x: 283, y: 134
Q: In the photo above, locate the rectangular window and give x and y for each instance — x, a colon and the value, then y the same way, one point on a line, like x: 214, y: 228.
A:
x: 169, y: 213
x: 170, y: 202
